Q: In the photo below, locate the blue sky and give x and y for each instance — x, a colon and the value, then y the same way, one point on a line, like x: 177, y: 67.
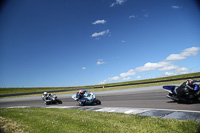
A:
x: 55, y: 43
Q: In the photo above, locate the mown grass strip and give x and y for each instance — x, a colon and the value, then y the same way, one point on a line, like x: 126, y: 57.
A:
x: 105, y: 88
x: 71, y: 120
x: 102, y: 87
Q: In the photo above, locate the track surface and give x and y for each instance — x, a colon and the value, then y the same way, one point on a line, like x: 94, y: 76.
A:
x: 148, y: 97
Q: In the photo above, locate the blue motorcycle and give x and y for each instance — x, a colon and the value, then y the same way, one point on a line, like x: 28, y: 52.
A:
x: 88, y: 98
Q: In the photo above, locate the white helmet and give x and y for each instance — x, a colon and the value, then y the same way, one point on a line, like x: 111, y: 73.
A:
x: 45, y: 93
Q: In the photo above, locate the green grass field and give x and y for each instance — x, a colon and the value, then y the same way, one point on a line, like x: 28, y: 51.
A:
x: 40, y: 120
x: 106, y: 86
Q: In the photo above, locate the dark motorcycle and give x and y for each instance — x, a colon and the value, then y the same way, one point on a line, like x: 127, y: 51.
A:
x: 181, y: 94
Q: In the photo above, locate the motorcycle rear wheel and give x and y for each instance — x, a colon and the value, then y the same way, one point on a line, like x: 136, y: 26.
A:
x: 47, y: 103
x: 82, y: 104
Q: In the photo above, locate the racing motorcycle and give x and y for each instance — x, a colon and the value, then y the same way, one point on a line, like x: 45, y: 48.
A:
x: 52, y: 99
x: 88, y: 98
x: 186, y: 98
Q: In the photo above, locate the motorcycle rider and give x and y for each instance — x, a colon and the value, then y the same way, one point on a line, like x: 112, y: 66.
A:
x: 50, y: 95
x: 193, y: 86
x: 81, y: 93
x: 46, y: 96
x: 188, y: 89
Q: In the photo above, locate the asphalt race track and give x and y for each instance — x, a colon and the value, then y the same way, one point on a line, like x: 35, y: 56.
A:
x: 146, y: 97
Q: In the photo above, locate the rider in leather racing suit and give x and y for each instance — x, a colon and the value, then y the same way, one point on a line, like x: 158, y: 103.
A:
x: 188, y: 89
x: 46, y: 96
x: 81, y: 93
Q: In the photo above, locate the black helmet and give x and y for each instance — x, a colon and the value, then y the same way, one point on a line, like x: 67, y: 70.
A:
x: 190, y: 82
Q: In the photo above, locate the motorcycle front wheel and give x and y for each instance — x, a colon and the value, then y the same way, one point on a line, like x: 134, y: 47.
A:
x: 59, y: 101
x: 97, y: 101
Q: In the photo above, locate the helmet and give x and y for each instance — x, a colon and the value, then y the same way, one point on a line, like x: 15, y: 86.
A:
x: 190, y: 82
x: 45, y: 93
x: 80, y: 91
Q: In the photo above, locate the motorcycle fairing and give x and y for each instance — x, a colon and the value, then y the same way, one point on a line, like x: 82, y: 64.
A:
x: 170, y: 88
x: 88, y: 97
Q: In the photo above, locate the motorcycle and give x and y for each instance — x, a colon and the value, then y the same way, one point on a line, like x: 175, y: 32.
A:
x: 52, y: 99
x: 185, y: 97
x: 88, y: 98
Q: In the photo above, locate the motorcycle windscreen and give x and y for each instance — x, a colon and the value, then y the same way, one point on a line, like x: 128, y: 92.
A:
x: 92, y: 95
x: 169, y: 87
x: 74, y: 96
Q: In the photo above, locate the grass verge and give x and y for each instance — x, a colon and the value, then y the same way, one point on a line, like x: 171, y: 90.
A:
x: 71, y: 120
x: 108, y: 88
x: 104, y: 87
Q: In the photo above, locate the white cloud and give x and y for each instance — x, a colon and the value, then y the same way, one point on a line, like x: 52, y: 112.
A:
x: 117, y: 2
x: 100, y: 62
x: 168, y: 67
x: 101, y: 33
x: 190, y: 51
x: 123, y: 41
x: 175, y: 7
x: 83, y: 68
x: 151, y: 66
x: 179, y: 70
x: 110, y: 79
x: 175, y: 57
x: 187, y: 52
x: 114, y: 78
x: 147, y: 67
x: 103, y: 82
x: 160, y: 66
x: 131, y: 16
x: 182, y: 70
x: 99, y: 22
x: 142, y: 15
x: 169, y: 74
x: 127, y: 78
x: 129, y: 73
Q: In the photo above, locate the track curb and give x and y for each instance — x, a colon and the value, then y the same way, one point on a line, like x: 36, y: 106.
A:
x: 160, y: 113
